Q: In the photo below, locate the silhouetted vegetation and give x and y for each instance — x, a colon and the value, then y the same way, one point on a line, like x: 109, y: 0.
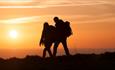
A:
x: 74, y: 62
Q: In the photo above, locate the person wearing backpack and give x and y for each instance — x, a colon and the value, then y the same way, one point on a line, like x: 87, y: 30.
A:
x: 62, y: 35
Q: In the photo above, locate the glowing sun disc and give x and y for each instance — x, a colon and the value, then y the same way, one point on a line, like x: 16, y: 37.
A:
x: 13, y: 34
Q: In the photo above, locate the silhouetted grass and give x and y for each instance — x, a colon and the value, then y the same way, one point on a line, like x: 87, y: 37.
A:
x: 74, y: 62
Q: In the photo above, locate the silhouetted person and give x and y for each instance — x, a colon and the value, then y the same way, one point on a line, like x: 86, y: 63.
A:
x: 61, y: 34
x: 46, y: 38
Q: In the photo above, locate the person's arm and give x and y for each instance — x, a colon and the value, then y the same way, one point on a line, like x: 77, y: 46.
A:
x: 42, y: 38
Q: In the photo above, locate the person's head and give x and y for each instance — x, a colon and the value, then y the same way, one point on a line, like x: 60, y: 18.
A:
x: 46, y: 24
x: 56, y: 19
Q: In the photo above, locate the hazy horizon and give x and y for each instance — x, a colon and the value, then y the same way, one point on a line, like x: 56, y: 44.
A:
x: 22, y: 53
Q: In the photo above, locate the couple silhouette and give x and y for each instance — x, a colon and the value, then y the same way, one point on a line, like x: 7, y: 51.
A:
x: 55, y: 34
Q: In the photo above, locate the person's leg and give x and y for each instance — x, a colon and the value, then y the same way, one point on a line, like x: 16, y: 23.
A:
x: 64, y: 43
x: 48, y: 49
x: 50, y: 53
x: 55, y: 48
x: 44, y: 52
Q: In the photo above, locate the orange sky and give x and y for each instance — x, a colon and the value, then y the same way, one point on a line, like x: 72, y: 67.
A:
x: 92, y: 22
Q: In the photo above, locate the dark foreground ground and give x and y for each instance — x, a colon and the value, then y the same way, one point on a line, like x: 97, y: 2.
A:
x: 104, y: 61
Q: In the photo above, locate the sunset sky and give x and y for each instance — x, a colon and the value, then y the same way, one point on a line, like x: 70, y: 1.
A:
x: 21, y: 24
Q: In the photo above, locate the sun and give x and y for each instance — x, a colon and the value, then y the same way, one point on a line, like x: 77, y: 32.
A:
x: 13, y: 34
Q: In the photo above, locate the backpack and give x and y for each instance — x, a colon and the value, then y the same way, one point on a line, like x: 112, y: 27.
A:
x: 67, y: 29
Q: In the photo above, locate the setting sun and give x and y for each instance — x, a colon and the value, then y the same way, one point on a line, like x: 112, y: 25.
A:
x: 13, y: 34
